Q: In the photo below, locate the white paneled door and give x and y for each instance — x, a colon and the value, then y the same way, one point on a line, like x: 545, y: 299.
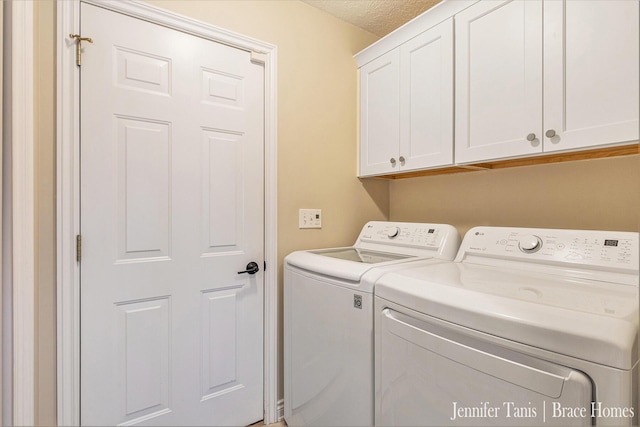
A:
x: 171, y: 211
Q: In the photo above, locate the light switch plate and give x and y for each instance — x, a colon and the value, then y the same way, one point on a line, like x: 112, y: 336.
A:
x: 310, y: 218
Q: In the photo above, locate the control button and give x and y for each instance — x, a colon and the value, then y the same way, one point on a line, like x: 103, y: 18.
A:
x: 394, y: 232
x: 529, y: 244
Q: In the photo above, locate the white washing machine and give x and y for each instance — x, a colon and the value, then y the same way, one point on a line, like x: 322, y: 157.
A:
x: 328, y: 319
x: 526, y: 327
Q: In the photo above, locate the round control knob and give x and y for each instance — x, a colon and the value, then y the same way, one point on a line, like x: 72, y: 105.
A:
x: 393, y: 232
x: 529, y: 244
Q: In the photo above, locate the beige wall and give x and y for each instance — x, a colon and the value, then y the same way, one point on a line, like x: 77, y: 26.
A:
x: 591, y: 194
x: 317, y: 126
x: 45, y: 216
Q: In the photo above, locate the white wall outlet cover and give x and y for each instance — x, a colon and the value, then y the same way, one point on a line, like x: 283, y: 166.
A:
x: 310, y: 218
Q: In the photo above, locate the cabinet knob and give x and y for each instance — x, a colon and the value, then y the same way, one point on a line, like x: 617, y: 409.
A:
x: 401, y: 159
x: 550, y: 133
x: 393, y: 161
x: 531, y: 137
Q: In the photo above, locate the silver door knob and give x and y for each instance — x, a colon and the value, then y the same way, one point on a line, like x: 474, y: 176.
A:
x: 531, y: 137
x: 401, y: 159
x: 550, y: 133
x: 393, y: 161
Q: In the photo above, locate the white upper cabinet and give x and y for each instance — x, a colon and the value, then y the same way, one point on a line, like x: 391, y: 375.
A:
x: 526, y: 78
x: 380, y: 114
x: 406, y: 105
x: 529, y: 81
x: 498, y: 80
x: 426, y: 99
x: 591, y: 56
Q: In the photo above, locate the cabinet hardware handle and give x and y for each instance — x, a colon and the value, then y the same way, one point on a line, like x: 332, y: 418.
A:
x: 393, y: 161
x: 401, y: 159
x: 550, y: 133
x: 531, y: 137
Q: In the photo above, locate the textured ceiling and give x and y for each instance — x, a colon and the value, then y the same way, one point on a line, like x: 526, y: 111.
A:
x: 379, y: 17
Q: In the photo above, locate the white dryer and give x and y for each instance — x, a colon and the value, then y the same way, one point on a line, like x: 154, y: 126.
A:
x: 328, y: 319
x: 526, y: 327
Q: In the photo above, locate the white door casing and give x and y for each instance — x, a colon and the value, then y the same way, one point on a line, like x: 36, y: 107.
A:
x: 68, y: 348
x: 19, y: 384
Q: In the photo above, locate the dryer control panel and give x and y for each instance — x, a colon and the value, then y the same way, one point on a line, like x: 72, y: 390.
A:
x: 605, y: 250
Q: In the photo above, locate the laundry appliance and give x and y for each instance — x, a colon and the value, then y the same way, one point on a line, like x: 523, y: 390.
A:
x: 328, y: 319
x: 525, y: 327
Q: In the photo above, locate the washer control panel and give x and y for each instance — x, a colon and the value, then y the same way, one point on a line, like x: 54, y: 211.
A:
x: 529, y: 243
x: 413, y: 239
x: 596, y: 248
x: 404, y: 234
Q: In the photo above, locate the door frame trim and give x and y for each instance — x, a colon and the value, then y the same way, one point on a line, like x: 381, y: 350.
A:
x: 68, y: 188
x: 22, y: 205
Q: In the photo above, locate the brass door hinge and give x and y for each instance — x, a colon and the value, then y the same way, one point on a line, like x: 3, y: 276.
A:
x: 79, y: 41
x: 78, y: 248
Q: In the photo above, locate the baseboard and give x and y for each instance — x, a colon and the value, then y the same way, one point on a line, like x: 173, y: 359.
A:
x: 280, y: 410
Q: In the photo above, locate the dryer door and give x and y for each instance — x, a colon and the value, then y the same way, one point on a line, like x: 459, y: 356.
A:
x: 440, y: 376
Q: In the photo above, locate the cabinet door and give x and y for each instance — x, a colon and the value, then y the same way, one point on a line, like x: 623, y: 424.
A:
x: 426, y: 99
x: 591, y: 73
x: 380, y: 115
x: 498, y: 80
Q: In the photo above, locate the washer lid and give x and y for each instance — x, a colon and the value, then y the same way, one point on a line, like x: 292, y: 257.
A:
x: 348, y: 263
x: 359, y: 255
x: 586, y: 319
x: 380, y: 243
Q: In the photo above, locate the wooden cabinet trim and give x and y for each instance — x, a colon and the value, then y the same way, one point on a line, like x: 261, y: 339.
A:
x: 625, y: 150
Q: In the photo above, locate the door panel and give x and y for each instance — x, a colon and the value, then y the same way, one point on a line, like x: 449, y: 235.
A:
x: 171, y: 209
x: 380, y: 115
x: 143, y: 188
x: 591, y: 59
x: 426, y: 98
x: 219, y: 341
x: 498, y: 82
x: 143, y: 329
x: 222, y: 182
